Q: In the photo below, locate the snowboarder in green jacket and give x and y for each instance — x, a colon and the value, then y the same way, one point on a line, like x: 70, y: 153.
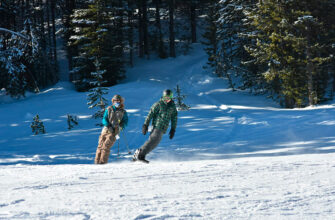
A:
x: 161, y: 113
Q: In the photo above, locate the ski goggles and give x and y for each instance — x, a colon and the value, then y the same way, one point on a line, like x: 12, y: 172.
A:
x: 168, y: 97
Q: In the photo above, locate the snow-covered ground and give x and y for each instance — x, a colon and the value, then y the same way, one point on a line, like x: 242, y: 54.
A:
x: 234, y: 155
x: 288, y: 187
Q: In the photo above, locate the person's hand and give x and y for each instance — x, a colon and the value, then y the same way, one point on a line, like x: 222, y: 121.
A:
x: 171, y: 133
x: 144, y: 129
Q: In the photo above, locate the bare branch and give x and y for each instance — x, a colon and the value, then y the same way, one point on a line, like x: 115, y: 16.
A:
x: 15, y: 33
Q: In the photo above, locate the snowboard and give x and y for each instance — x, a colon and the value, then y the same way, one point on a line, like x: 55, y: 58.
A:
x: 142, y: 161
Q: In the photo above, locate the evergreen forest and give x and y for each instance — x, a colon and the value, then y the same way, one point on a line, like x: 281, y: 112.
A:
x: 283, y: 49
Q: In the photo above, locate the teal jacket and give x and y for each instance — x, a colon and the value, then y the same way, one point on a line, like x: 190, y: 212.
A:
x: 124, y: 120
x: 161, y: 114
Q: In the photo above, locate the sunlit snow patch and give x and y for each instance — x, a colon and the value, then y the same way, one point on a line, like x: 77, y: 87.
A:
x: 202, y: 106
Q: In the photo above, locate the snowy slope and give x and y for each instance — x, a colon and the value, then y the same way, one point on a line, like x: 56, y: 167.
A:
x: 234, y: 155
x: 221, y: 123
x: 289, y: 187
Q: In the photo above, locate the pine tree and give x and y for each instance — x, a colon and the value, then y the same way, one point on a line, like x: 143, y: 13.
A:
x: 21, y: 50
x: 83, y: 23
x: 37, y: 126
x: 287, y: 42
x: 211, y: 39
x: 181, y: 106
x: 308, y: 30
x: 326, y: 14
x: 229, y: 26
x: 25, y: 49
x: 96, y: 96
x: 268, y: 21
x: 114, y: 44
x: 10, y: 60
x: 44, y: 71
x: 98, y: 36
x: 184, y: 25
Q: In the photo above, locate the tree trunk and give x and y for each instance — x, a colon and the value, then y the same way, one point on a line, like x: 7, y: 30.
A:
x: 53, y: 8
x: 161, y: 51
x: 22, y: 15
x: 140, y: 31
x: 70, y: 6
x: 48, y: 24
x: 145, y: 28
x: 42, y: 68
x: 310, y: 81
x: 309, y: 71
x: 120, y: 24
x: 171, y: 28
x: 54, y: 44
x: 332, y: 73
x: 193, y: 22
x: 131, y: 33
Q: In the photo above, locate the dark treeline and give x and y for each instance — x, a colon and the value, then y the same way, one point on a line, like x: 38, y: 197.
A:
x: 276, y: 47
x: 100, y: 36
x: 280, y: 48
x: 113, y: 32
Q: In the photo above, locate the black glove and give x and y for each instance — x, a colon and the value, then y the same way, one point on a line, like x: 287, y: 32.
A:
x: 171, y: 134
x: 144, y: 129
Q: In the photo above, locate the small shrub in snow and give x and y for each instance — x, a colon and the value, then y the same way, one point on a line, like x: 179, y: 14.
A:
x: 181, y: 106
x: 71, y: 121
x: 37, y: 126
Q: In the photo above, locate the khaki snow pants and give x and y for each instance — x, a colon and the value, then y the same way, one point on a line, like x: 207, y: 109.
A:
x: 106, y: 141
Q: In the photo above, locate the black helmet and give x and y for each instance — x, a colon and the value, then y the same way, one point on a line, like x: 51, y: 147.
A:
x: 168, y: 92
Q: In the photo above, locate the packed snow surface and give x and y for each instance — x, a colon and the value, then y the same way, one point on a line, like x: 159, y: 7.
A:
x: 234, y: 155
x: 288, y: 187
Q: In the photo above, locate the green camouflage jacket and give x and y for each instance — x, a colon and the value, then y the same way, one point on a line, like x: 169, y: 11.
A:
x: 161, y: 115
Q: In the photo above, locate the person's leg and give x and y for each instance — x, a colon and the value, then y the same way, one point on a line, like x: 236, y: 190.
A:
x: 102, y: 139
x: 105, y: 151
x: 153, y: 141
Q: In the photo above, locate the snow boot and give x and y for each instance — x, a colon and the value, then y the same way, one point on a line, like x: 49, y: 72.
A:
x: 138, y: 157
